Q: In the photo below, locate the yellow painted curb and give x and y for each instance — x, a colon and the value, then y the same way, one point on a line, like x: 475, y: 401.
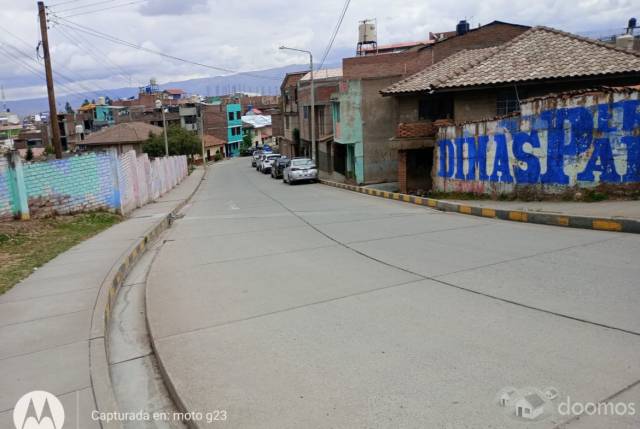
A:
x: 607, y: 225
x: 465, y: 209
x: 563, y: 220
x: 518, y: 216
x: 488, y: 213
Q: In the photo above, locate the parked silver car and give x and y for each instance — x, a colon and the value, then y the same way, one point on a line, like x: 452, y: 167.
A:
x: 255, y: 157
x: 300, y: 169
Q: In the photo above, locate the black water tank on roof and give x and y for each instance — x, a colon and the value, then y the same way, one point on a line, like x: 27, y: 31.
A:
x: 462, y: 27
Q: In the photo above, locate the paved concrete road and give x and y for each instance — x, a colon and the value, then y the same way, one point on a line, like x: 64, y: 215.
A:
x: 310, y: 307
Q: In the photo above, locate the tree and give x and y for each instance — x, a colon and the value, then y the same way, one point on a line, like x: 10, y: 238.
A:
x: 85, y: 102
x: 246, y: 142
x: 29, y: 156
x: 181, y: 142
x: 68, y: 108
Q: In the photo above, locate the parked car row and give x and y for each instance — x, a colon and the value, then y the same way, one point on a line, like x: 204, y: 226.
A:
x: 290, y: 170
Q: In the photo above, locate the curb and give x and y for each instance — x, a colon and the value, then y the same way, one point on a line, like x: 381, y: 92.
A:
x: 100, y: 376
x: 585, y: 222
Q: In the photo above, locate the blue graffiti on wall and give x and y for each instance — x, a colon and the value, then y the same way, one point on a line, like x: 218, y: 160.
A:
x: 570, y: 134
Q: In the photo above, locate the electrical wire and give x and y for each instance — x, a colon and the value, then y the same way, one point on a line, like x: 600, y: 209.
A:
x: 116, y: 40
x: 64, y: 2
x: 59, y: 74
x: 95, y: 3
x: 105, y: 8
x: 77, y: 42
x: 335, y: 33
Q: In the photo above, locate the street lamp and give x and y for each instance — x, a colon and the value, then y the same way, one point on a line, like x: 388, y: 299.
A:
x: 164, y: 125
x: 313, y: 100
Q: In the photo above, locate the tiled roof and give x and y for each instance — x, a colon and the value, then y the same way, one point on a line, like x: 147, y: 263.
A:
x: 174, y: 91
x: 130, y: 132
x: 439, y: 72
x: 323, y: 74
x: 210, y: 141
x: 537, y: 54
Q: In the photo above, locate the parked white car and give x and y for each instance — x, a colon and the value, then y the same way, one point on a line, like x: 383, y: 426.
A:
x: 299, y: 170
x: 267, y: 162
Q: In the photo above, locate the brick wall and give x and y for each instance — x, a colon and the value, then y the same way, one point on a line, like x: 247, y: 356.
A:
x: 398, y: 64
x: 402, y: 171
x: 483, y: 37
x: 415, y: 129
x: 95, y: 181
x: 557, y: 145
x: 80, y: 183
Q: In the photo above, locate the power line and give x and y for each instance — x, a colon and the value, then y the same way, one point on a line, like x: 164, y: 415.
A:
x: 64, y: 2
x: 335, y: 33
x: 35, y: 71
x: 104, y: 8
x: 80, y: 44
x: 80, y: 7
x: 116, y: 40
x: 70, y: 81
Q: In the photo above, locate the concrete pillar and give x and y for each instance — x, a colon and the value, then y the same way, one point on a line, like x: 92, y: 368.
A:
x: 20, y: 189
x: 116, y: 180
x: 402, y: 171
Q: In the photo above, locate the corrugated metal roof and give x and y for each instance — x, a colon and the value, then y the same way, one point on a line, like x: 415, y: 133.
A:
x: 257, y: 121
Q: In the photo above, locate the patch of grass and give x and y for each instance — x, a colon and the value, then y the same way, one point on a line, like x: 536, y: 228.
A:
x: 30, y: 244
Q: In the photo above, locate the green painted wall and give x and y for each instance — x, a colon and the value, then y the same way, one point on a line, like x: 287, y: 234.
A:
x: 348, y: 129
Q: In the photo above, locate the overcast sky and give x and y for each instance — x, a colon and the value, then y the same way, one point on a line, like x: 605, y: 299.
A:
x: 244, y: 35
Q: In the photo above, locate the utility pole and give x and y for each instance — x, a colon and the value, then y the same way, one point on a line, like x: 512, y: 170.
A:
x: 53, y: 114
x: 313, y: 101
x: 201, y: 131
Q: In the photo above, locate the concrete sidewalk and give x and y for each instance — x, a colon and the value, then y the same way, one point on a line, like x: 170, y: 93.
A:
x: 52, y: 326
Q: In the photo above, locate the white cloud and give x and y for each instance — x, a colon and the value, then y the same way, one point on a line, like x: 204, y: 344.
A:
x: 245, y: 35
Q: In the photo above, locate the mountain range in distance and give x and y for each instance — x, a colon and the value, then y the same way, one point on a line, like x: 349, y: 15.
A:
x: 267, y: 83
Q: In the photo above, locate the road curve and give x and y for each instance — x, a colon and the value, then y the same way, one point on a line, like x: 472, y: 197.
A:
x: 309, y: 306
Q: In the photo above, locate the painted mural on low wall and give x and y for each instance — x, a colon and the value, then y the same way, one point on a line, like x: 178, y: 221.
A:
x: 88, y: 182
x: 554, y: 145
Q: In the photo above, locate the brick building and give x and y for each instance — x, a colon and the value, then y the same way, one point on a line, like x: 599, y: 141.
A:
x: 287, y: 133
x: 484, y: 83
x: 326, y: 82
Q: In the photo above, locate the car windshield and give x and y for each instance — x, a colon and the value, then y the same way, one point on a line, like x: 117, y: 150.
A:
x: 301, y: 162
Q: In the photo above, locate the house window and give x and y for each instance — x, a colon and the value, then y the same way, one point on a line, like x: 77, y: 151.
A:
x: 231, y: 116
x: 305, y: 111
x: 238, y: 115
x: 336, y: 109
x: 435, y: 107
x: 507, y: 102
x: 286, y: 122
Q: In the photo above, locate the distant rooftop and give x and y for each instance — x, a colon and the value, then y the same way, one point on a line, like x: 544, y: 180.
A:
x: 324, y: 74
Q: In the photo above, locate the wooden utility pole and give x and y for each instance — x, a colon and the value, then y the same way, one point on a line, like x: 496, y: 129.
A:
x: 53, y: 114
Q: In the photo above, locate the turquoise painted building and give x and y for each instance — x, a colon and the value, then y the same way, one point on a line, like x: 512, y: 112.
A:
x: 347, y: 127
x: 234, y: 129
